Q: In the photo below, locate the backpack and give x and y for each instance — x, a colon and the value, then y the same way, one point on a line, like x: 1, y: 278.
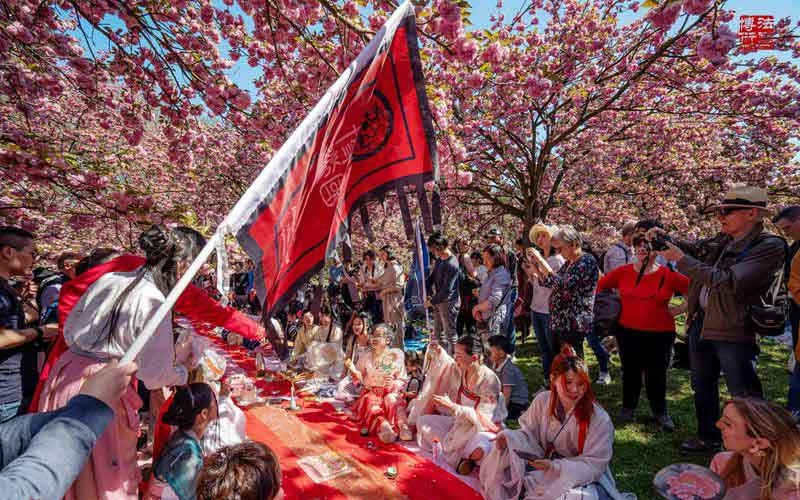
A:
x: 602, y: 259
x: 769, y: 317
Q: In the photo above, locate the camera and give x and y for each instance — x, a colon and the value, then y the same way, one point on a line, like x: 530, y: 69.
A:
x: 659, y: 242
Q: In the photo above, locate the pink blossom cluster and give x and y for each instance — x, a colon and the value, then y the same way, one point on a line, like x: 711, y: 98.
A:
x: 664, y: 17
x: 464, y: 179
x: 495, y: 53
x: 715, y: 46
x: 449, y: 23
x: 696, y: 7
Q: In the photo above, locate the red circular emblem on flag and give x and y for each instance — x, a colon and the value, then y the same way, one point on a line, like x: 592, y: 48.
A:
x: 375, y: 129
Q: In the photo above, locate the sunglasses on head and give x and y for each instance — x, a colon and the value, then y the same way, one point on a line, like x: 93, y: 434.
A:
x: 723, y: 211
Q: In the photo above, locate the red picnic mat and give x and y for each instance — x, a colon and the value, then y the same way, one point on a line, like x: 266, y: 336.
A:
x: 318, y: 429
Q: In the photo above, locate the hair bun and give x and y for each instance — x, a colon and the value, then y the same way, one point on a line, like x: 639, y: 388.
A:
x: 175, y: 415
x: 568, y: 350
x: 156, y: 242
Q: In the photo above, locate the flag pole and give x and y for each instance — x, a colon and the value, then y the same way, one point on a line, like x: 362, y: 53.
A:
x: 423, y: 295
x: 423, y: 291
x: 265, y: 181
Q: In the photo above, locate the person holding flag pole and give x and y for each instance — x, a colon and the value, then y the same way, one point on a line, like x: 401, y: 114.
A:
x: 103, y: 326
x: 325, y: 171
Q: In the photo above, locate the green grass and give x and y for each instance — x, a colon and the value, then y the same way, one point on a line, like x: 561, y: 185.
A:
x: 640, y: 450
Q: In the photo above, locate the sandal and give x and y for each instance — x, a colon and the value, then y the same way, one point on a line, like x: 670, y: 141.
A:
x: 466, y: 466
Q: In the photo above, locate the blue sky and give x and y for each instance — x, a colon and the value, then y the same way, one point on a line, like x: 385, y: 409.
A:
x: 242, y: 74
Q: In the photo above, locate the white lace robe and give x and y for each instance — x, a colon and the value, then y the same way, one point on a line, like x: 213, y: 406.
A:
x: 473, y: 423
x: 502, y: 473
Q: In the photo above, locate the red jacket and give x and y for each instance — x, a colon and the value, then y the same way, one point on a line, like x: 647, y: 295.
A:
x: 193, y: 303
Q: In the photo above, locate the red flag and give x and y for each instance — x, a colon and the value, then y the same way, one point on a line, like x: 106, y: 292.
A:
x: 371, y: 132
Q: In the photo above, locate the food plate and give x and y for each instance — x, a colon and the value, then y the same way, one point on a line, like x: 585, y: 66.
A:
x: 688, y: 482
x: 253, y: 402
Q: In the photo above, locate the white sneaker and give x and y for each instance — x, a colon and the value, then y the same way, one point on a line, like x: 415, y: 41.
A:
x: 604, y: 378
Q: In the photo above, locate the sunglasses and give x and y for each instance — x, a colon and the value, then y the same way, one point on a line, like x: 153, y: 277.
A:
x: 722, y: 212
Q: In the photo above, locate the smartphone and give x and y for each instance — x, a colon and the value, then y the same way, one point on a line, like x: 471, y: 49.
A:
x: 526, y: 456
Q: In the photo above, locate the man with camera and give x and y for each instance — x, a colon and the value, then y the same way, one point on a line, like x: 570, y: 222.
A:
x: 788, y: 221
x: 728, y: 274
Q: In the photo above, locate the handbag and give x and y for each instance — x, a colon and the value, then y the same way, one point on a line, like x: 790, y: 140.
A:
x: 607, y: 308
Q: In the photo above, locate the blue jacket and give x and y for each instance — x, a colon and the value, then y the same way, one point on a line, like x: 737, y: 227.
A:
x: 42, y: 454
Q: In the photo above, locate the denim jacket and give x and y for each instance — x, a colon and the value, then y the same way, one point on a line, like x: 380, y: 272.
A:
x: 493, y: 289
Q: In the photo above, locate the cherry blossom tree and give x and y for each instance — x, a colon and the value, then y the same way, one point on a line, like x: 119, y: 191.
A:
x: 119, y: 113
x: 582, y: 120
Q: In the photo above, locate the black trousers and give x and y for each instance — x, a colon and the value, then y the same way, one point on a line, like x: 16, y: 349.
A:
x: 575, y: 339
x: 794, y: 320
x: 515, y: 410
x: 735, y: 360
x: 648, y: 354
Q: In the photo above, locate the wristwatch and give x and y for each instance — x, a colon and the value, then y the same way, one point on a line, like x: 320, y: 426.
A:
x: 39, y: 333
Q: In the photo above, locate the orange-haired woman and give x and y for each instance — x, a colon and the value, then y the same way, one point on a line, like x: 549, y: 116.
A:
x: 563, y: 447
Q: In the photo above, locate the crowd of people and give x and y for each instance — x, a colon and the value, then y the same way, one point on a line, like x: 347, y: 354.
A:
x: 83, y: 404
x: 454, y: 398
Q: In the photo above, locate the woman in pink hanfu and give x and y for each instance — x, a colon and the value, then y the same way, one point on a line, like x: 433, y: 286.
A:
x: 102, y: 326
x: 382, y: 372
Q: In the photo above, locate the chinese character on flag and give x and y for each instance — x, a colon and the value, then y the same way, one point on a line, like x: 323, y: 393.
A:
x: 756, y: 33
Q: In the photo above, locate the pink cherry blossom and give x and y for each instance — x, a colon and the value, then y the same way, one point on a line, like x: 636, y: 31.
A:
x: 696, y: 6
x: 664, y: 17
x: 716, y: 46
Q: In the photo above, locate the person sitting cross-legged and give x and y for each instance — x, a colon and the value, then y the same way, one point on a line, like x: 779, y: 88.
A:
x: 381, y: 406
x: 461, y: 404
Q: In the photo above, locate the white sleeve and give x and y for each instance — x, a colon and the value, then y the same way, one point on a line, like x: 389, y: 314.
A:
x: 157, y: 359
x: 491, y: 410
x: 336, y: 335
x: 597, y: 451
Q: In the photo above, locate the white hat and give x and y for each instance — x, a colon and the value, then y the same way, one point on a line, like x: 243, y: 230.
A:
x: 742, y: 196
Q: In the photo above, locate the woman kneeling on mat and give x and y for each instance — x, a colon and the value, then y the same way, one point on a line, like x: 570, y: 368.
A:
x: 563, y: 447
x: 461, y: 405
x: 381, y: 407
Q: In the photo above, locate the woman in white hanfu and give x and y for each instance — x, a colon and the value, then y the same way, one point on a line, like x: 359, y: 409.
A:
x: 381, y: 407
x: 566, y: 439
x: 460, y: 404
